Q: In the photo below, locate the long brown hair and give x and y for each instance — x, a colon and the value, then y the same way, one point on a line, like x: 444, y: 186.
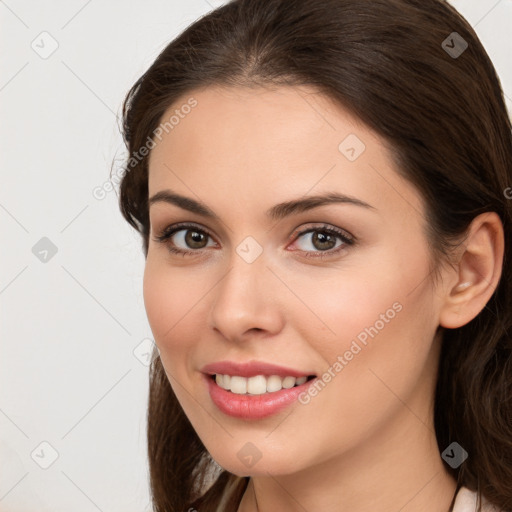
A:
x: 435, y: 98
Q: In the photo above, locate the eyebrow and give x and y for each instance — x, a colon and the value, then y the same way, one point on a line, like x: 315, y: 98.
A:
x: 276, y: 212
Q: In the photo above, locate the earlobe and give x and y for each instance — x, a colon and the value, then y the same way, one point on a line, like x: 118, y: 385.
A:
x: 479, y: 271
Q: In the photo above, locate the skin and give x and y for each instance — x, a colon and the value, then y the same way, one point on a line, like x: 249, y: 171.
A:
x: 367, y: 440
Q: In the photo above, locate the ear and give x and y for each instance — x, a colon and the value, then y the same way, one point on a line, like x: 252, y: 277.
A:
x: 479, y: 271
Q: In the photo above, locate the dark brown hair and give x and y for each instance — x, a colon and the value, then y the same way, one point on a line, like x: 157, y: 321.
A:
x: 443, y: 115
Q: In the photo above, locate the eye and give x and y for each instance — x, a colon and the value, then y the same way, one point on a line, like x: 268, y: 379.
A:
x: 182, y: 237
x: 325, y: 240
x: 188, y: 240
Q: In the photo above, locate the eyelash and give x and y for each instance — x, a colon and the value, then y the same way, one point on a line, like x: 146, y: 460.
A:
x: 167, y: 233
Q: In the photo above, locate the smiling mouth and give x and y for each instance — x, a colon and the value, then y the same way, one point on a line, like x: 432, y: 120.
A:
x: 259, y: 384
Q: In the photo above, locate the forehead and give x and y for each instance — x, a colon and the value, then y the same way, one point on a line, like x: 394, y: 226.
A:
x: 241, y: 118
x: 259, y: 143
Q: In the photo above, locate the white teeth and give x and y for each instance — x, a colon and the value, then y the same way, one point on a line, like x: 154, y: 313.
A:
x: 289, y: 382
x: 223, y: 381
x: 258, y: 384
x: 274, y: 383
x: 238, y: 385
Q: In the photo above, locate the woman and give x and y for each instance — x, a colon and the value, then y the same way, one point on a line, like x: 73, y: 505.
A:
x: 322, y: 194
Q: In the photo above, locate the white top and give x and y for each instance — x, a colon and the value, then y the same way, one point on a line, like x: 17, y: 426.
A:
x: 466, y: 502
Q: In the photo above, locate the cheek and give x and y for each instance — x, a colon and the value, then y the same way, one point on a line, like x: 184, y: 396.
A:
x: 176, y: 303
x: 169, y: 301
x: 168, y: 298
x: 158, y: 300
x: 362, y: 301
x: 384, y: 322
x: 362, y: 324
x: 378, y: 317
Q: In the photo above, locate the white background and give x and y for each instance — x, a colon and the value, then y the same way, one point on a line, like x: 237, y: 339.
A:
x: 69, y: 326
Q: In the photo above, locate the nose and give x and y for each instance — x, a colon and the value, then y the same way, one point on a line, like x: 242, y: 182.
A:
x: 246, y: 301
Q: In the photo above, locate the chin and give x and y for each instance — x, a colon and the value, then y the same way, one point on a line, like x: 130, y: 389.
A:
x: 267, y: 464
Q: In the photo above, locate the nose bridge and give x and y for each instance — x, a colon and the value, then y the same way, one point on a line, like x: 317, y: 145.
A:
x: 242, y: 296
x: 246, y: 275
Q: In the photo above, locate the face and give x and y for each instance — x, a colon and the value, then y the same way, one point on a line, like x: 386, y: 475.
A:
x: 339, y: 289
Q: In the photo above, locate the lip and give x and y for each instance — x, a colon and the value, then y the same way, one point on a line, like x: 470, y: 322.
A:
x: 251, y: 369
x: 253, y: 407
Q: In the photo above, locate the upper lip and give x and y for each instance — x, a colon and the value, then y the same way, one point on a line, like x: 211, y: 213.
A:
x: 251, y: 369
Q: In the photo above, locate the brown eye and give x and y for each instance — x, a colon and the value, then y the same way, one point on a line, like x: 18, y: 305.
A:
x: 194, y: 239
x: 323, y: 239
x: 184, y: 239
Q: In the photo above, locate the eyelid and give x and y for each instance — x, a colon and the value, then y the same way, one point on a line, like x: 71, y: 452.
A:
x: 171, y: 229
x: 343, y: 233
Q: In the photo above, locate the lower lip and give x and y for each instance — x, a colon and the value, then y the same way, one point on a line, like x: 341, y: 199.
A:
x: 253, y: 406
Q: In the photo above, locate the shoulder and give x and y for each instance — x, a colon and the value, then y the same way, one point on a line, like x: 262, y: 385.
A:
x: 466, y: 501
